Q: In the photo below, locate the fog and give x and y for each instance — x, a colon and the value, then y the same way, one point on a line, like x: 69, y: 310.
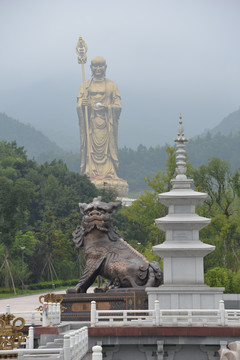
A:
x: 167, y: 57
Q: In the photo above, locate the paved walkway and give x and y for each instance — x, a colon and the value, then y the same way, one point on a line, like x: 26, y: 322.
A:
x: 26, y: 302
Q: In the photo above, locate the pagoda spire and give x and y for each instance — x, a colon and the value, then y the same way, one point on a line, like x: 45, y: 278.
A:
x: 181, y: 153
x: 181, y: 181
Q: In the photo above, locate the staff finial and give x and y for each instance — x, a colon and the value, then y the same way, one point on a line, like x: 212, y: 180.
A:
x: 81, y: 50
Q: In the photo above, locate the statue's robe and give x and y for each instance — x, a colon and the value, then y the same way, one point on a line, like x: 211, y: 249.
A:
x: 100, y: 136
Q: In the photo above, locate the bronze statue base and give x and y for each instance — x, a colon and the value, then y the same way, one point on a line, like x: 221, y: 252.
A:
x: 78, y: 306
x: 120, y: 185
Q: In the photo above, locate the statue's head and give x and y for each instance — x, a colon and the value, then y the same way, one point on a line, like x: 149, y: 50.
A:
x: 98, y: 67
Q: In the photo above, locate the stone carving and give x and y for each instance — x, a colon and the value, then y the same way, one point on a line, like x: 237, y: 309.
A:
x: 99, y: 108
x: 232, y: 353
x: 108, y: 255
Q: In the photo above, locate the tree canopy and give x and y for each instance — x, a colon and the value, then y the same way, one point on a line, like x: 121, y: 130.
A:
x: 39, y: 203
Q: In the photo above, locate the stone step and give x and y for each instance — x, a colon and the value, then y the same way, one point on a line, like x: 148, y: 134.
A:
x: 59, y: 341
x: 56, y: 344
x: 88, y: 356
x: 75, y: 325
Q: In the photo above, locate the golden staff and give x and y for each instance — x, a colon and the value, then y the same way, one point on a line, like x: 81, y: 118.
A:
x: 81, y: 50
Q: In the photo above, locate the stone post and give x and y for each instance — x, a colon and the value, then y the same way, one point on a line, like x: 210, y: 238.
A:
x: 31, y: 337
x: 66, y: 347
x: 97, y: 352
x: 45, y: 320
x: 93, y: 313
x: 157, y: 313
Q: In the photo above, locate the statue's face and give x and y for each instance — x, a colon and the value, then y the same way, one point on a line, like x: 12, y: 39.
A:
x: 98, y: 67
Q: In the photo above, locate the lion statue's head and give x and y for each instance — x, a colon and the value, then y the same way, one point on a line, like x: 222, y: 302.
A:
x: 96, y: 215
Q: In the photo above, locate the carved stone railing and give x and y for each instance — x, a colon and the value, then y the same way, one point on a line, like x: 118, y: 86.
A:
x: 47, y: 314
x: 51, y: 309
x: 76, y: 344
x: 75, y: 347
x: 158, y: 317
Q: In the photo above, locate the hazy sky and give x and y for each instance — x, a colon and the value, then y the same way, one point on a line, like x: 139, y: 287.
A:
x: 167, y: 57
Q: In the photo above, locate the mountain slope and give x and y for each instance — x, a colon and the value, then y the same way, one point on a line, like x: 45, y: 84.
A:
x: 230, y: 124
x: 33, y: 140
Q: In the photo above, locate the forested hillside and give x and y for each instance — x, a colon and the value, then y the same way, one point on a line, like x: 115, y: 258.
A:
x: 229, y: 125
x: 134, y: 165
x: 33, y: 140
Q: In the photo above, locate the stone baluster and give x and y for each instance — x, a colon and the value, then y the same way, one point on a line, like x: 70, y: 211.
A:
x: 31, y: 337
x: 50, y: 314
x: 54, y: 313
x: 222, y: 313
x: 97, y: 352
x: 45, y: 320
x: 72, y: 344
x: 58, y: 313
x: 157, y: 312
x: 82, y: 341
x: 66, y: 347
x: 93, y: 313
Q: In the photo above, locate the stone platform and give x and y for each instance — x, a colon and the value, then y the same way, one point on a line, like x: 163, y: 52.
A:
x: 117, y: 184
x: 78, y: 306
x: 164, y: 343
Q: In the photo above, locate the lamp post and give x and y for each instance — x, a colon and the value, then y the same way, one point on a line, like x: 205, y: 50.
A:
x: 22, y: 249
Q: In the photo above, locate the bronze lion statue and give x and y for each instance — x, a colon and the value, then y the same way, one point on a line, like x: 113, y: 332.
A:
x: 108, y: 255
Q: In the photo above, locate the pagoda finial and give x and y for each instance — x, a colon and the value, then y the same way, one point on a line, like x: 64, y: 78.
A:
x: 181, y: 153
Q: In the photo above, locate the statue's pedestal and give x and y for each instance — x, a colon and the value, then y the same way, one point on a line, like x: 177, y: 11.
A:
x: 78, y: 306
x: 185, y: 296
x: 119, y: 185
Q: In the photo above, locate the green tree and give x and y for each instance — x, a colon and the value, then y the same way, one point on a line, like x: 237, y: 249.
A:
x: 222, y: 205
x: 15, y: 195
x: 216, y: 180
x: 139, y: 218
x: 29, y: 242
x: 221, y: 277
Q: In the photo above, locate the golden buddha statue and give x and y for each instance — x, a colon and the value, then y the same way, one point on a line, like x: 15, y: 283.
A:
x: 100, y: 98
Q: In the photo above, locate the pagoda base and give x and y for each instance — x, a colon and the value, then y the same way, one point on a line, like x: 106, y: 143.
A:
x: 185, y: 296
x: 117, y: 184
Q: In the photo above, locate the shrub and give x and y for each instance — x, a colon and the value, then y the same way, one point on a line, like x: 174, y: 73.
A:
x: 48, y: 284
x: 6, y: 290
x: 221, y: 277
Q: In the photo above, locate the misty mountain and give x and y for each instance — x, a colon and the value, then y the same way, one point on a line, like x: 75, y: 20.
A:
x: 49, y: 106
x: 134, y: 165
x: 148, y: 117
x: 34, y: 141
x: 229, y: 125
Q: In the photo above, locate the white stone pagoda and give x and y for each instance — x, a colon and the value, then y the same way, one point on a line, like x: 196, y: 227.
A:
x: 182, y: 251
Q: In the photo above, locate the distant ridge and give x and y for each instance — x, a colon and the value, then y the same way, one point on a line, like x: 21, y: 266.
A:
x: 230, y: 124
x: 33, y: 140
